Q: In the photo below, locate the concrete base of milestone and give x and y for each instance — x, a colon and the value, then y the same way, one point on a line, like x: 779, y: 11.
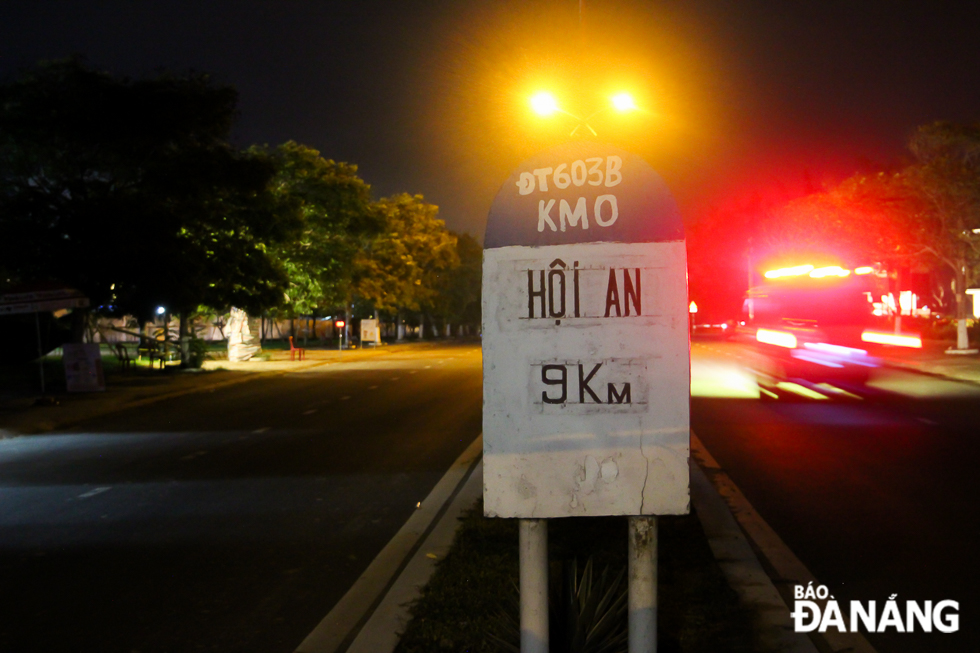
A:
x: 370, y: 617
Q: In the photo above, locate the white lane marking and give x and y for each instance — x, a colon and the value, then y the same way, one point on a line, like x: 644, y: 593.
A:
x: 261, y: 430
x: 345, y: 398
x: 926, y: 420
x: 192, y: 456
x: 796, y: 388
x: 372, y: 387
x: 92, y: 493
x: 394, y: 378
x: 309, y: 412
x: 838, y: 391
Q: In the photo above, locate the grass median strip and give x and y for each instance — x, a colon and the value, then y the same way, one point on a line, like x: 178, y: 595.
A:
x: 470, y: 602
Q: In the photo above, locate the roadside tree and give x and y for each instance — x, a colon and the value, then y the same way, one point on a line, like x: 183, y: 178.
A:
x: 458, y: 292
x: 944, y: 186
x: 400, y: 269
x: 130, y: 191
x: 336, y: 222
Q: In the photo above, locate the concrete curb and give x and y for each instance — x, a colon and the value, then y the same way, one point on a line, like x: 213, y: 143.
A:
x: 728, y: 515
x: 948, y: 375
x: 382, y: 631
x: 743, y: 570
x: 375, y: 609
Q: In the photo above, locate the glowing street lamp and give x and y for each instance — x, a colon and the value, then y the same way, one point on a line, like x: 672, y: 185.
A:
x: 545, y: 104
x: 623, y: 102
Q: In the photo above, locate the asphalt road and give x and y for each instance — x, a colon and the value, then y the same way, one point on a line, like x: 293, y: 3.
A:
x: 225, y: 521
x: 233, y: 520
x: 876, y: 493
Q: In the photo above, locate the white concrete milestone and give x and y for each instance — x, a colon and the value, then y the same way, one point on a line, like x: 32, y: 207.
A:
x: 585, y: 346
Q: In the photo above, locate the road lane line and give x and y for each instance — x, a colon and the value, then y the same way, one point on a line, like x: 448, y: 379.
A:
x: 796, y: 388
x: 92, y: 493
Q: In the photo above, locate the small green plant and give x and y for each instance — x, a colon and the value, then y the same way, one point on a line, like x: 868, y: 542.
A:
x: 198, y: 349
x: 588, y: 613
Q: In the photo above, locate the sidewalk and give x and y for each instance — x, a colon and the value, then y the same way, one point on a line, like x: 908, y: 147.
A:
x: 21, y: 415
x: 933, y: 359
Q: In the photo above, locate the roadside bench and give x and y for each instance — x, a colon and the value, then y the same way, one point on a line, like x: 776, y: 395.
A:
x: 150, y: 347
x: 154, y: 350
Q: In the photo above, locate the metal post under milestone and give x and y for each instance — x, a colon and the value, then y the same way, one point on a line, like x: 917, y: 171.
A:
x: 642, y: 585
x: 534, y: 585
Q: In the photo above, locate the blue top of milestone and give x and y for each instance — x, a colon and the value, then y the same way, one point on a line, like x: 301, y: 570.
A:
x: 552, y: 196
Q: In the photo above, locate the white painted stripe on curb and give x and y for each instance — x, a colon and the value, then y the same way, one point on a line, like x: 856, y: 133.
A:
x: 787, y: 567
x: 743, y: 571
x: 336, y: 628
x: 382, y: 632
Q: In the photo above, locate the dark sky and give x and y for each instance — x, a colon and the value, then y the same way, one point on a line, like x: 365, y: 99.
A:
x: 430, y: 96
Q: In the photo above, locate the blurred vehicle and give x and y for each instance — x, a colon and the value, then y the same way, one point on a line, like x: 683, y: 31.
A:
x: 709, y: 324
x: 818, y: 324
x: 724, y: 329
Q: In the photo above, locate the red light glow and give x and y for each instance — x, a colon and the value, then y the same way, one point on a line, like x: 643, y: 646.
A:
x: 778, y: 338
x: 895, y: 339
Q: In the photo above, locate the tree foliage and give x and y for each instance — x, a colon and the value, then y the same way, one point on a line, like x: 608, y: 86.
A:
x: 944, y: 191
x: 402, y: 268
x: 130, y: 191
x: 458, y: 292
x: 337, y: 221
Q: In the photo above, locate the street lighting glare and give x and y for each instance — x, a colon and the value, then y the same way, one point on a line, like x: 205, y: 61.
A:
x: 623, y: 102
x: 544, y: 103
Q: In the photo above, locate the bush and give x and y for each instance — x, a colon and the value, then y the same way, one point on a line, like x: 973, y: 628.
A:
x: 198, y: 348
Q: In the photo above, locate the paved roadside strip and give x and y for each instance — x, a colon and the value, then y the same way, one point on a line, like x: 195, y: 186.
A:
x: 370, y: 616
x: 935, y: 359
x: 727, y: 515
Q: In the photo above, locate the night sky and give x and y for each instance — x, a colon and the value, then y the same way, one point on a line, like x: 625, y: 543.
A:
x: 431, y: 97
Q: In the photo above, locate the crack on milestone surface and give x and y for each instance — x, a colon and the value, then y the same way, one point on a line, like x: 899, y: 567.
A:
x: 646, y: 476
